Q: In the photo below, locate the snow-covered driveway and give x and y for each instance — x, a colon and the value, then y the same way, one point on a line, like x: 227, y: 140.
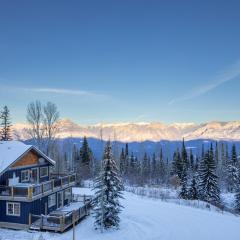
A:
x: 147, y: 219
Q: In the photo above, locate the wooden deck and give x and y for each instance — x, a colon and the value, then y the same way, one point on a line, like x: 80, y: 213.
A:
x: 29, y: 192
x: 63, y: 218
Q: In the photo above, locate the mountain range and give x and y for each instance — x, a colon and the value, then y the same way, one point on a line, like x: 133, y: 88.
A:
x: 143, y: 131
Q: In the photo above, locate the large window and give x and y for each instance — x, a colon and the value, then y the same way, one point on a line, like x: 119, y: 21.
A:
x: 13, y: 209
x: 43, y: 172
x: 25, y: 176
x: 51, y: 200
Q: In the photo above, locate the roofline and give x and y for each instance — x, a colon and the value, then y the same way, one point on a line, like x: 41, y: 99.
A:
x: 31, y: 147
x: 44, y: 155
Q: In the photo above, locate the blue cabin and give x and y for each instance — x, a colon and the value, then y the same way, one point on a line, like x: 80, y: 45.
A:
x: 27, y: 185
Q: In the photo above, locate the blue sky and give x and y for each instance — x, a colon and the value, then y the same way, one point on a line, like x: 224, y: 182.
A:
x: 128, y: 60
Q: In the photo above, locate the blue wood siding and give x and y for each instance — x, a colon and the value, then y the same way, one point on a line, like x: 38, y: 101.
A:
x: 9, y: 174
x: 36, y: 207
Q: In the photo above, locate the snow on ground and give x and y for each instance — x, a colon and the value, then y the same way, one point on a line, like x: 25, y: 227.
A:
x: 72, y: 206
x: 149, y: 219
x: 83, y: 191
x: 228, y: 199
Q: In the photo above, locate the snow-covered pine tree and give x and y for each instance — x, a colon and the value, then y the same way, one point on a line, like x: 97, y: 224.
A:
x: 145, y: 169
x: 177, y: 164
x: 192, y: 192
x: 191, y: 161
x: 237, y: 194
x: 162, y: 168
x: 5, y: 134
x: 184, y: 185
x: 208, y: 180
x: 184, y: 156
x: 132, y: 168
x: 174, y: 164
x: 153, y: 169
x: 122, y: 163
x: 108, y: 187
x: 126, y: 161
x: 237, y: 201
x: 184, y: 174
x: 232, y: 171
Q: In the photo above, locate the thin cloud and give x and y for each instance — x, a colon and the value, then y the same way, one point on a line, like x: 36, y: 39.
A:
x: 228, y: 75
x: 59, y: 91
x: 64, y: 91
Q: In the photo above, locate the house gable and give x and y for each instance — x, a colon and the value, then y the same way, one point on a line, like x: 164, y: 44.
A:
x: 30, y: 158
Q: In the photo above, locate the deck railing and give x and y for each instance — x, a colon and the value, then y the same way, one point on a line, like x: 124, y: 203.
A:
x: 60, y: 220
x: 37, y: 189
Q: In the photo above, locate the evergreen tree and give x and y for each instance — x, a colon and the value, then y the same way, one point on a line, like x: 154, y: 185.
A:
x: 122, y: 162
x: 196, y: 164
x: 185, y: 163
x: 216, y: 155
x: 162, y: 168
x: 192, y: 192
x: 85, y: 152
x: 237, y: 201
x: 108, y: 188
x: 232, y: 171
x: 237, y: 194
x: 126, y: 150
x: 126, y: 161
x: 177, y: 164
x: 174, y: 164
x: 208, y: 180
x: 132, y: 167
x: 85, y: 160
x: 234, y: 155
x: 154, y: 168
x: 191, y: 161
x: 5, y: 134
x: 145, y: 169
x: 184, y: 191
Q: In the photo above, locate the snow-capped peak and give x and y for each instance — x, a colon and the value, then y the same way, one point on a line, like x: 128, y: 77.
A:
x: 141, y: 131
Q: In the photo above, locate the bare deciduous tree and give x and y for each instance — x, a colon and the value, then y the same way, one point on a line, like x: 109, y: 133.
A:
x: 35, y: 121
x: 50, y: 121
x: 43, y: 122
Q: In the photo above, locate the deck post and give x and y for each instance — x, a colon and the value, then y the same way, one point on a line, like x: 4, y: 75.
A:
x: 61, y: 223
x: 30, y: 191
x: 30, y: 219
x: 73, y: 222
x: 12, y: 193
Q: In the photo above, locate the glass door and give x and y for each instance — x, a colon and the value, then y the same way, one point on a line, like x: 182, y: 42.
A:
x: 34, y: 175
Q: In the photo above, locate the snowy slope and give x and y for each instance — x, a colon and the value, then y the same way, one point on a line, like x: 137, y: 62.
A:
x: 148, y: 219
x: 129, y: 132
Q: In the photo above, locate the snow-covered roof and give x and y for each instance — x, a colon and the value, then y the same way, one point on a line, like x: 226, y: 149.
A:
x: 10, y: 151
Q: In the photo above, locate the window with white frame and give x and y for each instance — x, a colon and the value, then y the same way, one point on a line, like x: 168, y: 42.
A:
x: 67, y: 194
x: 43, y: 172
x: 13, y: 209
x: 24, y: 175
x: 51, y: 200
